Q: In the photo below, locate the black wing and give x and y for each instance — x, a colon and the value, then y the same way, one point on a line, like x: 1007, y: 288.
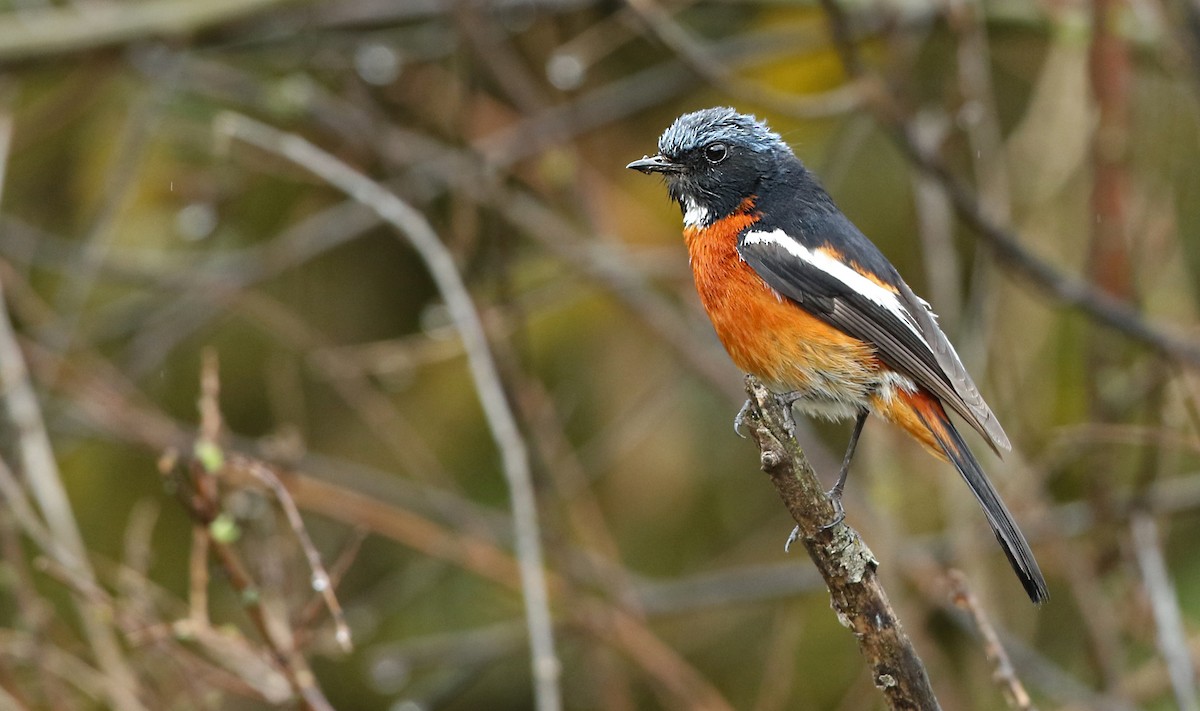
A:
x: 898, y: 324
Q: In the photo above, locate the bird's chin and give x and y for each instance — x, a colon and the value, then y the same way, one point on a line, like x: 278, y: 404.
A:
x: 677, y: 188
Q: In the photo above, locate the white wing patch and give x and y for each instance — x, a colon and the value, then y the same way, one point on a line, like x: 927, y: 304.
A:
x: 853, y: 280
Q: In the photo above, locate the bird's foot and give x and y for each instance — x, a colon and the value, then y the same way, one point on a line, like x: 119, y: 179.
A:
x: 835, y: 496
x: 792, y: 538
x: 787, y: 400
x: 740, y: 419
x: 839, y: 512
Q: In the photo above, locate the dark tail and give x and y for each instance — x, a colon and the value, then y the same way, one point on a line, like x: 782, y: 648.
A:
x: 1020, y: 557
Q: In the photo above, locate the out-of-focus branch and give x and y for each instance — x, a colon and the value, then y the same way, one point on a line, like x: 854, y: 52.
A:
x: 42, y: 477
x: 613, y: 269
x: 131, y: 145
x: 1110, y: 73
x: 1108, y: 267
x: 1002, y: 669
x: 843, y: 38
x: 1107, y: 310
x: 624, y: 631
x: 199, y: 493
x: 1172, y: 636
x: 1072, y: 291
x: 495, y: 404
x: 322, y: 582
x: 106, y: 404
x: 845, y: 562
x: 700, y: 60
x: 28, y: 34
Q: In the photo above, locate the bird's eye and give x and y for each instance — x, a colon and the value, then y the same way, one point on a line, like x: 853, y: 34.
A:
x: 716, y: 152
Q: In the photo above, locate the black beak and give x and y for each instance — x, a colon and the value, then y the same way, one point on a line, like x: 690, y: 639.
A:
x: 655, y: 164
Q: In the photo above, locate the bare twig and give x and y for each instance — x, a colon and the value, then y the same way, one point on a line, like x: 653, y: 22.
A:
x: 198, y: 577
x: 1111, y: 81
x: 625, y: 631
x: 479, y: 359
x: 697, y: 58
x: 1056, y: 683
x: 845, y: 562
x: 42, y: 476
x: 202, y: 502
x: 135, y: 136
x: 35, y: 613
x: 321, y: 581
x: 24, y: 514
x: 779, y: 668
x: 1002, y: 669
x: 57, y: 30
x: 294, y: 665
x: 1172, y: 639
x: 1072, y: 291
x: 65, y: 669
x: 336, y: 571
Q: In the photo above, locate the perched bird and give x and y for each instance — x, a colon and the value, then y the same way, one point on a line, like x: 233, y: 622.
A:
x: 802, y: 299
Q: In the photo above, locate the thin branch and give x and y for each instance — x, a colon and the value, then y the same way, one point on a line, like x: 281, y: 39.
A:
x: 1002, y: 668
x: 624, y: 631
x: 308, y: 614
x: 120, y: 184
x: 201, y: 498
x: 1172, y: 637
x: 57, y: 664
x: 27, y: 34
x: 843, y: 38
x: 198, y: 578
x: 295, y: 667
x: 845, y: 562
x: 700, y: 60
x: 321, y: 581
x: 42, y: 476
x: 479, y: 360
x: 1111, y: 83
x: 1056, y: 683
x: 1072, y: 291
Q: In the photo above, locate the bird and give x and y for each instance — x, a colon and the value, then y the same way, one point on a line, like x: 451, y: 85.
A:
x: 803, y: 300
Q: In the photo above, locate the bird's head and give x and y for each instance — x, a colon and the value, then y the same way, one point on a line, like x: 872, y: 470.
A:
x: 713, y: 160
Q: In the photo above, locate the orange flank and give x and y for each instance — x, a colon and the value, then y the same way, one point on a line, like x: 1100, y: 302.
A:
x: 766, y: 334
x: 919, y: 414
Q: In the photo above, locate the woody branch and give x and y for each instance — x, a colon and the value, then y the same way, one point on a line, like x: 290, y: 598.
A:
x: 843, y: 560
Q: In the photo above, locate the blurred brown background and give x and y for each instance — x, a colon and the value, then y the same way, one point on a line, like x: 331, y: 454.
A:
x: 147, y: 221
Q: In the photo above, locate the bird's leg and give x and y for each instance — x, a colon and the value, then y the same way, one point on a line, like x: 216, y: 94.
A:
x: 835, y: 494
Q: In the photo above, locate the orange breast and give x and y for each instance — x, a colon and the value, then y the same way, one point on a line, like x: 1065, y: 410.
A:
x: 768, y: 335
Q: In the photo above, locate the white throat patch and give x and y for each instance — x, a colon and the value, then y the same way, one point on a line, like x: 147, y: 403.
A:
x: 694, y: 214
